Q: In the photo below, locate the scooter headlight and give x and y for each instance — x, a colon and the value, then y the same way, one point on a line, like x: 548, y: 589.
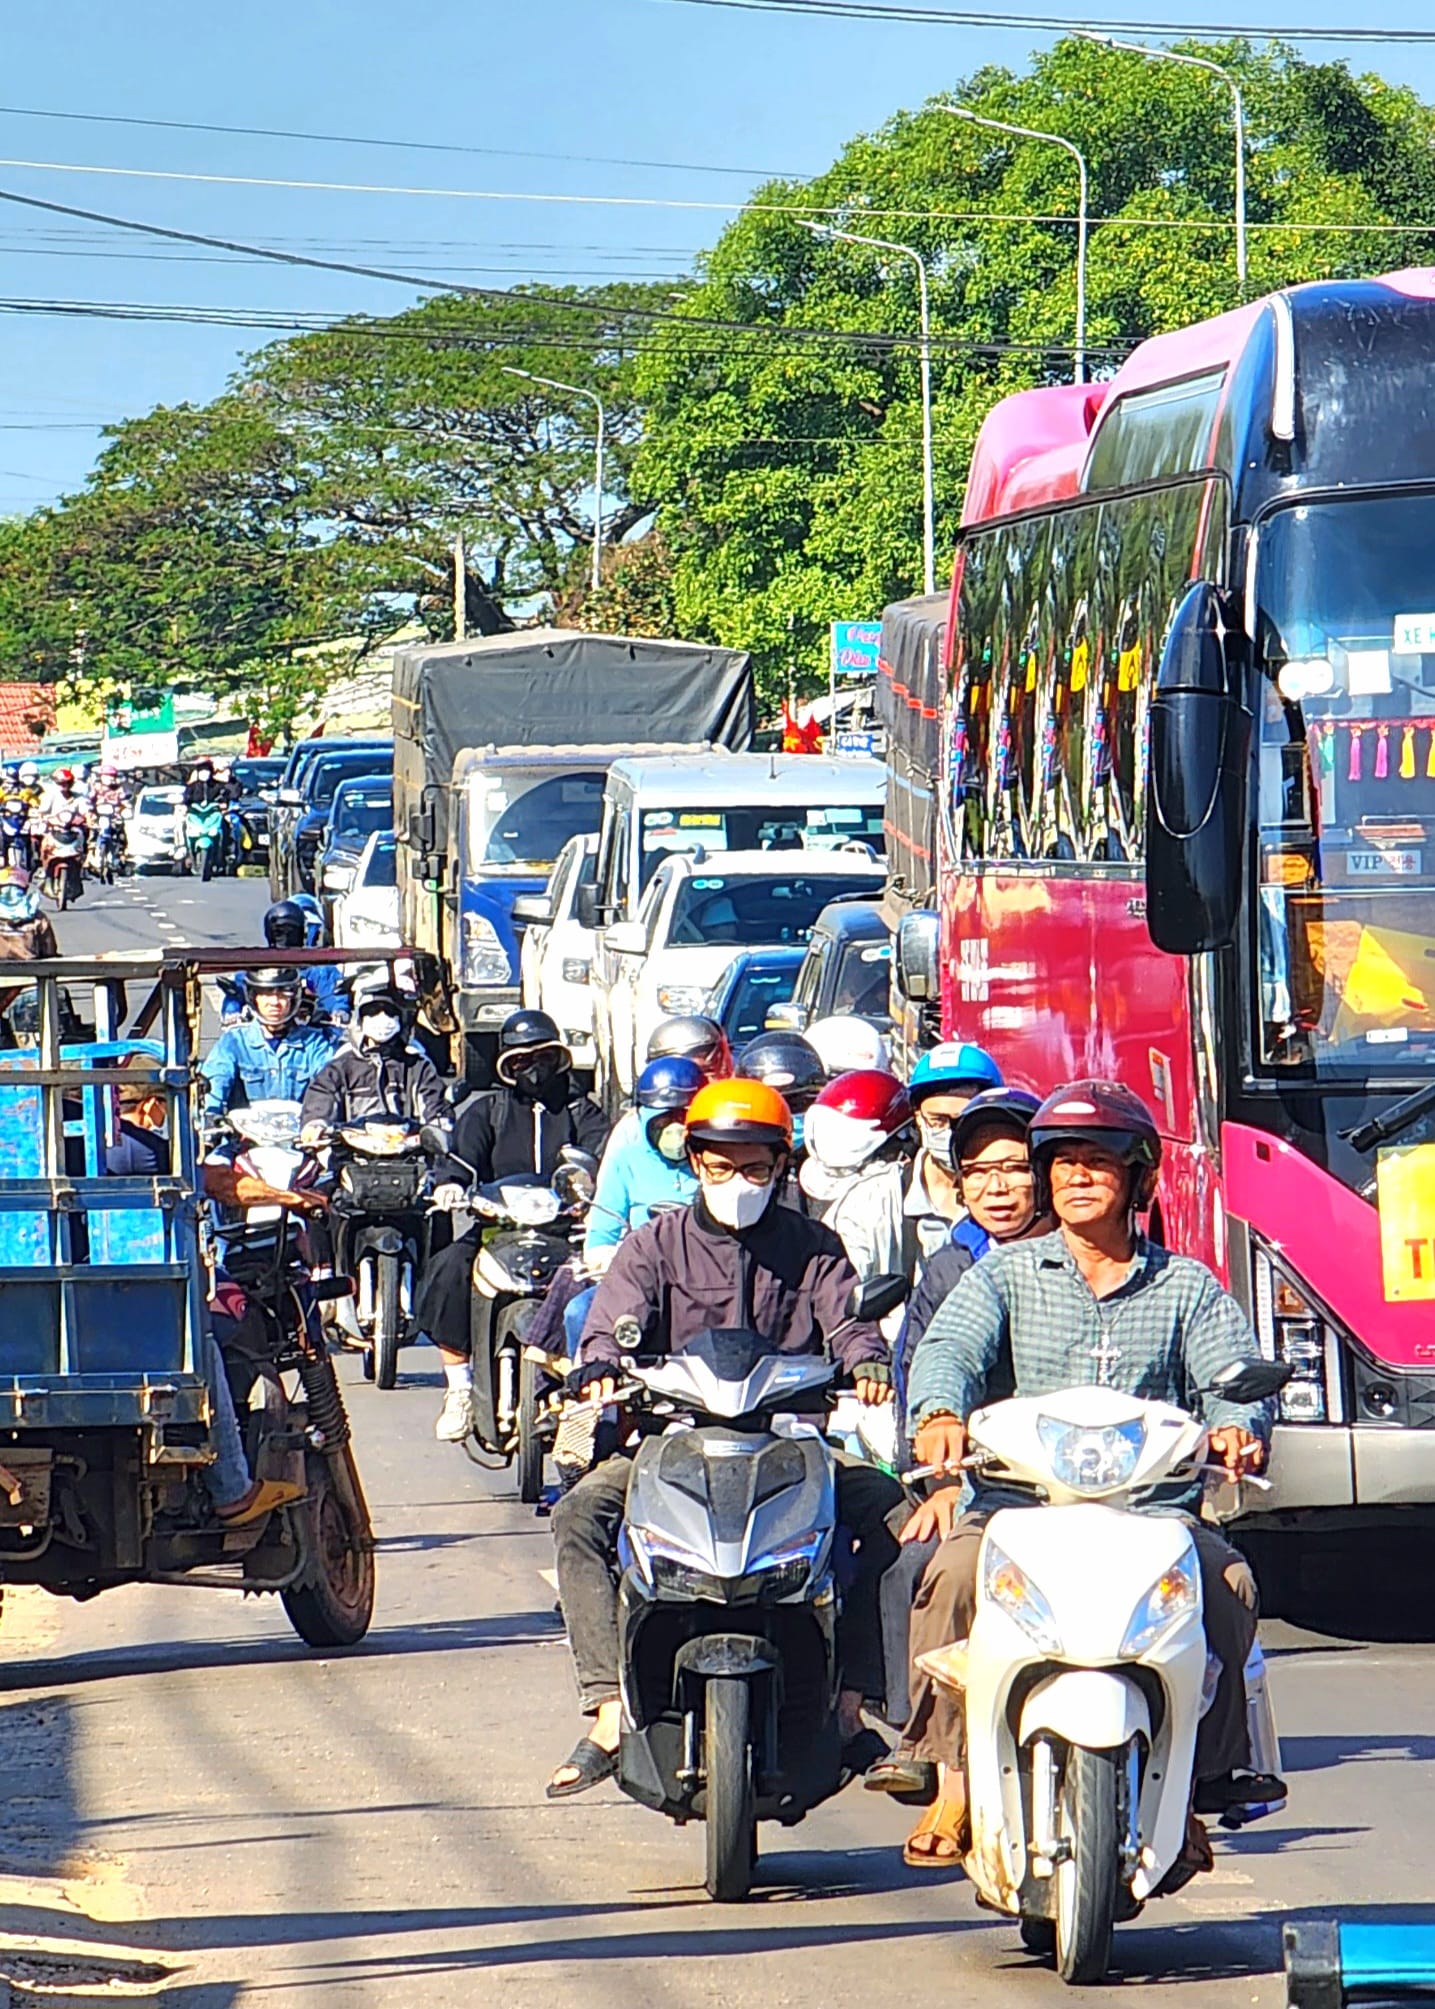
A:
x: 531, y: 1206
x: 672, y: 1571
x: 1091, y: 1460
x: 1007, y: 1585
x: 782, y: 1572
x: 1175, y: 1594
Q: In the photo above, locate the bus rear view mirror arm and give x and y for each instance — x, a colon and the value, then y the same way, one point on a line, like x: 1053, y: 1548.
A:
x: 1197, y: 780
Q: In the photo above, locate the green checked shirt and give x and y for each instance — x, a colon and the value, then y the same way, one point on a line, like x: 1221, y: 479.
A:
x: 1025, y: 1314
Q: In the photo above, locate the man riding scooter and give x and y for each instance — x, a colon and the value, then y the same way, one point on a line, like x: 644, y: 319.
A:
x: 289, y: 924
x: 734, y: 1258
x: 271, y: 1053
x: 1095, y: 1302
x: 522, y: 1126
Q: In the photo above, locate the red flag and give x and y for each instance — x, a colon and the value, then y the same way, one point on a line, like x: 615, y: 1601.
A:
x: 257, y: 745
x: 800, y: 738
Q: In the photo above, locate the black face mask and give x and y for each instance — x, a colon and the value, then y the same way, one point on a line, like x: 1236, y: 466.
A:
x: 539, y: 1072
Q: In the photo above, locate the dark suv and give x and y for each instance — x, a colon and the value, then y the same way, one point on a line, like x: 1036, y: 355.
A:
x: 316, y: 768
x: 847, y: 970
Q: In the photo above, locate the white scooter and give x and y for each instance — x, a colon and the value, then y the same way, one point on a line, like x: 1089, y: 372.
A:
x: 1087, y: 1671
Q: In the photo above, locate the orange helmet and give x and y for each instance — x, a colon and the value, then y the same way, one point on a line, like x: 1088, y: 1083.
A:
x: 739, y: 1112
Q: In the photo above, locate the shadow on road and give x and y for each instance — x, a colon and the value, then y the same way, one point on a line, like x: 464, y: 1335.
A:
x: 1375, y: 1587
x: 527, y: 1628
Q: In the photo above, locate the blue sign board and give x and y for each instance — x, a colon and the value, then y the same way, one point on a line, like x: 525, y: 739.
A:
x: 854, y: 742
x: 855, y: 646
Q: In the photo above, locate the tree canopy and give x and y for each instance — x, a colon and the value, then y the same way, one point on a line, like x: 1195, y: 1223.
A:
x: 763, y: 435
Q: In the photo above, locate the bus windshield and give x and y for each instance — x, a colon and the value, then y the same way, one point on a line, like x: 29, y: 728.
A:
x: 1346, y: 792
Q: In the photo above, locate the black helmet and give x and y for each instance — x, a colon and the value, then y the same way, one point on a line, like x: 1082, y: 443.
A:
x: 787, y: 1062
x: 693, y: 1038
x: 286, y: 926
x: 524, y: 1038
x: 1011, y: 1108
x: 288, y: 982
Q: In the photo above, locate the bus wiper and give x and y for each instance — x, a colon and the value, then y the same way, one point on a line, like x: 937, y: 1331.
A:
x: 1399, y: 1116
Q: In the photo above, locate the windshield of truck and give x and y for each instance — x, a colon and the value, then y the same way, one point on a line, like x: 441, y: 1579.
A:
x: 520, y: 825
x: 158, y: 802
x: 864, y: 980
x: 747, y: 908
x: 359, y: 812
x: 766, y: 826
x: 1346, y: 794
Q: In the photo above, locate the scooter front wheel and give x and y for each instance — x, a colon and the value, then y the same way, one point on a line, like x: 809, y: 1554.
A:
x: 731, y: 1822
x: 530, y: 1444
x: 1088, y: 1881
x: 387, y: 1320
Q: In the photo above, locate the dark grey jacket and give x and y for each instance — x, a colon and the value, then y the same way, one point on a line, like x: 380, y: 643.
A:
x: 680, y: 1274
x: 354, y: 1085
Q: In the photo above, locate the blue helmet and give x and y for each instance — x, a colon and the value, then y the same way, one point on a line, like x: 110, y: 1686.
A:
x: 950, y: 1068
x: 670, y: 1082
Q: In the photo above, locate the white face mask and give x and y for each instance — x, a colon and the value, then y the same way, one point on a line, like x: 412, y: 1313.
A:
x: 937, y: 1138
x: 379, y: 1027
x: 737, y: 1203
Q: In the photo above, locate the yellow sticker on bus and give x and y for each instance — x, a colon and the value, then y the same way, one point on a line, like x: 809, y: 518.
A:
x: 1405, y: 1188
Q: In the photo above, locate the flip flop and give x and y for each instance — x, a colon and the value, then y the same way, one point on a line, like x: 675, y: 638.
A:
x: 592, y: 1764
x: 946, y: 1820
x: 910, y: 1780
x: 861, y: 1752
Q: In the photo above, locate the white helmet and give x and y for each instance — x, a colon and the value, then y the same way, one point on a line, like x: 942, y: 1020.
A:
x: 845, y: 1044
x: 29, y: 772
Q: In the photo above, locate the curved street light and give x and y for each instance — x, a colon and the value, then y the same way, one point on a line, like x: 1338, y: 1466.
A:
x: 577, y: 391
x: 1054, y: 139
x: 834, y: 235
x: 1237, y: 104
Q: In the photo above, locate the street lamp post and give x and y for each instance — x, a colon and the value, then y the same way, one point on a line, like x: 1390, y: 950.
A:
x: 929, y: 505
x: 577, y: 391
x: 1054, y: 139
x: 1237, y: 105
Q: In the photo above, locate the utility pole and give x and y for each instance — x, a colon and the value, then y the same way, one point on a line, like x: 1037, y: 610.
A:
x: 460, y: 589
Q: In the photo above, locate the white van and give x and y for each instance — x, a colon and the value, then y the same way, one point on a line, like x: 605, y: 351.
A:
x: 717, y: 802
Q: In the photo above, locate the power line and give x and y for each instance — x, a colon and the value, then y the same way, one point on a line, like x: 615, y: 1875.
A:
x: 401, y: 146
x: 1055, y: 24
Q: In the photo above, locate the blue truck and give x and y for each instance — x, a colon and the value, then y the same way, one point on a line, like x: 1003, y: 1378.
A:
x: 502, y: 746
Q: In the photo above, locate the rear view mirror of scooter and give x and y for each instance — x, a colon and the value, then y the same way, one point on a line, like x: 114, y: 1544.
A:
x: 874, y: 1297
x: 1250, y: 1380
x: 437, y: 1139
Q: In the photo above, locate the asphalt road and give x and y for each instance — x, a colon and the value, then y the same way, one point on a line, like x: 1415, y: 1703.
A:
x: 195, y: 1804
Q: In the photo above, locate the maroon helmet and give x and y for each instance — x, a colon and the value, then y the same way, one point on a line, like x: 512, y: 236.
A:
x: 1104, y: 1113
x: 855, y: 1117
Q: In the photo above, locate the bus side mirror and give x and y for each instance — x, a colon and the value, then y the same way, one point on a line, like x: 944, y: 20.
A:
x: 1196, y: 781
x: 918, y: 963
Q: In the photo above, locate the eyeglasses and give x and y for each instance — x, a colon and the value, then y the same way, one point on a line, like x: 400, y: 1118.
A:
x: 717, y: 1171
x: 1011, y: 1172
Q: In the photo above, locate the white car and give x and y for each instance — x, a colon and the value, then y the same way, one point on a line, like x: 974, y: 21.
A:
x: 695, y: 912
x: 367, y: 916
x: 557, y: 955
x: 154, y: 830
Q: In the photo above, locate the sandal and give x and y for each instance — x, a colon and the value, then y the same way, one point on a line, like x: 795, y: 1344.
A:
x: 945, y: 1822
x: 861, y: 1752
x: 913, y: 1781
x: 592, y: 1764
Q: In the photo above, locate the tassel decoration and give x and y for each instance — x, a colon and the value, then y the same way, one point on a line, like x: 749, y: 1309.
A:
x: 1407, y: 754
x: 1354, y: 770
x: 1382, y: 754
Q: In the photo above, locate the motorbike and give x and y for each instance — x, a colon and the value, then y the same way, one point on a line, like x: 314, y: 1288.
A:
x: 108, y: 1375
x: 63, y: 854
x: 728, y: 1598
x: 107, y: 848
x: 533, y: 1228
x: 1087, y: 1670
x: 15, y: 843
x: 381, y: 1236
x: 204, y: 838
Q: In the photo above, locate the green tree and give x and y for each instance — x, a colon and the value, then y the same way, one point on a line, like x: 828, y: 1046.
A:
x: 784, y: 460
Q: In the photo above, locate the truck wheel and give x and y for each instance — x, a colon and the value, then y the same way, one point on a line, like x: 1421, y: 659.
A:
x: 388, y: 1320
x: 731, y: 1823
x: 530, y: 1444
x: 1087, y: 1883
x: 333, y: 1602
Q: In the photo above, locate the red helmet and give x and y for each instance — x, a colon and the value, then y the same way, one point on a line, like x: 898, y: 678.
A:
x: 855, y: 1117
x: 1105, y: 1113
x: 64, y: 776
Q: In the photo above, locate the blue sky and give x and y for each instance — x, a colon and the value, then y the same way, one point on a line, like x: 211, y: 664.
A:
x: 630, y: 80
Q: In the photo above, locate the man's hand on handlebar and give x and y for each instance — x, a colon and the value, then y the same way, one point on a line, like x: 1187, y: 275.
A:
x: 933, y: 1519
x: 596, y: 1384
x: 942, y: 1442
x: 449, y: 1195
x: 1242, y: 1454
x: 873, y: 1381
